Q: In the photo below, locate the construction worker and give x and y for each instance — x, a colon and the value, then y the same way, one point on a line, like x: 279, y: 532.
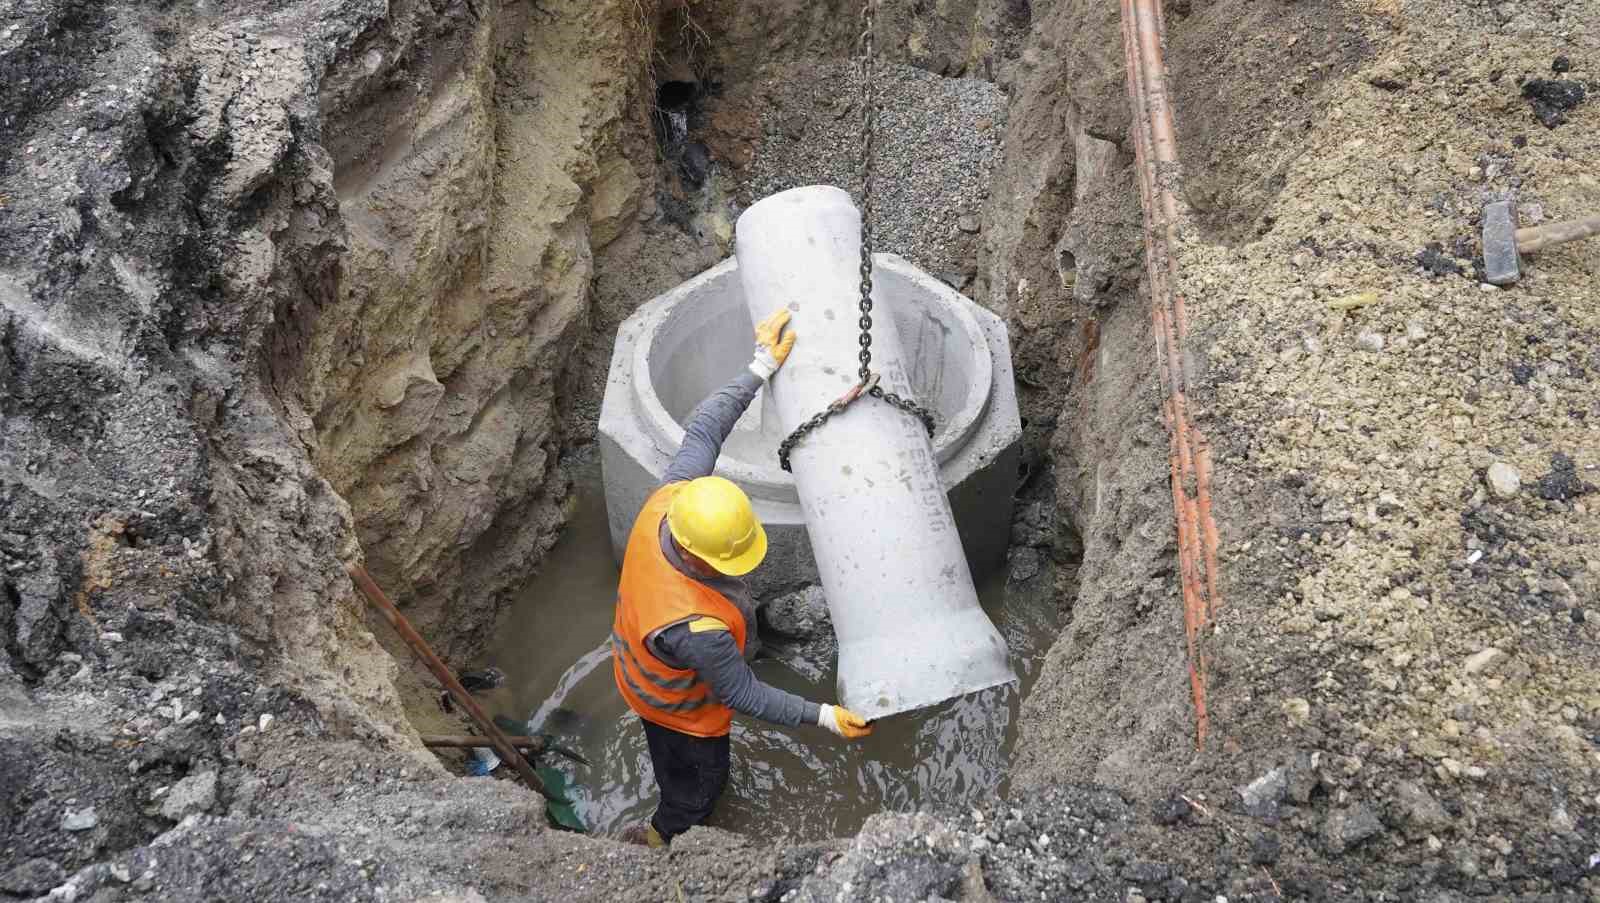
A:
x: 686, y: 624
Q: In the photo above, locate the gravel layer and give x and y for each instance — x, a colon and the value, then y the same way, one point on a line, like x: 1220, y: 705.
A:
x: 936, y: 146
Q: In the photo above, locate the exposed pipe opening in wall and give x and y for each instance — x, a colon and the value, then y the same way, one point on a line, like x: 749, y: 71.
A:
x: 675, y: 113
x: 676, y: 95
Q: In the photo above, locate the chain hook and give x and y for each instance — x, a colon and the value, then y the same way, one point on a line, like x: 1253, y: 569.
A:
x: 868, y: 386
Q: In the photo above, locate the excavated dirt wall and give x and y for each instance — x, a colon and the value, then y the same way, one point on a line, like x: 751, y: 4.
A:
x: 286, y: 286
x: 1113, y: 705
x: 1403, y: 669
x: 477, y: 171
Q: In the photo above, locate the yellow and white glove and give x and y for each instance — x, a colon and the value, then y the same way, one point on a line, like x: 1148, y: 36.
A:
x: 843, y: 722
x: 772, y: 345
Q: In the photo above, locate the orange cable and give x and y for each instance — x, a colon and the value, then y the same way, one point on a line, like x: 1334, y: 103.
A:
x: 1189, y: 460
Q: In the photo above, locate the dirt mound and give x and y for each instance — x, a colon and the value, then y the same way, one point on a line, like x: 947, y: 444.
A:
x: 1403, y: 669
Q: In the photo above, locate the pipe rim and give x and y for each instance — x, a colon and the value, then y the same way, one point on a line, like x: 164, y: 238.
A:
x: 770, y: 482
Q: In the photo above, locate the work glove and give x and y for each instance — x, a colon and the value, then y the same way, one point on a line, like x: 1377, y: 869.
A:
x: 772, y: 345
x: 843, y: 722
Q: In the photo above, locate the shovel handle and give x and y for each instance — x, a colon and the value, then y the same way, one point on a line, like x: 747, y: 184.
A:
x: 1535, y: 238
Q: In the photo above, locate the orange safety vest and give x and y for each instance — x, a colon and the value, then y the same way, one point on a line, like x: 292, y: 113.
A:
x: 654, y: 595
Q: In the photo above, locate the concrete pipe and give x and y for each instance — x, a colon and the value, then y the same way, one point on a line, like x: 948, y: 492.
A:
x: 687, y: 342
x: 911, y: 631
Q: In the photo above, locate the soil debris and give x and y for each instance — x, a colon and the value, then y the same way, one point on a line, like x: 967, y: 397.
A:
x: 933, y: 162
x: 1434, y: 260
x: 1553, y: 99
x: 1562, y: 483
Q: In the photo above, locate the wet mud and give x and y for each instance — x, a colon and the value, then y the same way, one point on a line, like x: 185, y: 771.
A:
x: 799, y: 782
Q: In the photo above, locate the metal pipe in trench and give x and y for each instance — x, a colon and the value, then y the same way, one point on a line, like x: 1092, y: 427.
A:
x: 911, y: 631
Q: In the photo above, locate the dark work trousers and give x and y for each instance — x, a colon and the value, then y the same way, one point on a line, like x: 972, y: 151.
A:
x: 690, y: 773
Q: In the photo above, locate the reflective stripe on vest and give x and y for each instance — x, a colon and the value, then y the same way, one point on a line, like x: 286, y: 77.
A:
x: 676, y: 683
x: 662, y: 704
x: 653, y: 595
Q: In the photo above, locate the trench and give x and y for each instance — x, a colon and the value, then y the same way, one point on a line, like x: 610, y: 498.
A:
x: 499, y: 209
x: 503, y: 224
x: 551, y: 642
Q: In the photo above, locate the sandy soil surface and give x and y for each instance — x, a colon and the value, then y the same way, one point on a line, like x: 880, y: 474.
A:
x: 1404, y: 670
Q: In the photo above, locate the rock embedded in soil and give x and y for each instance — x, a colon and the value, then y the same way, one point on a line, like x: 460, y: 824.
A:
x: 79, y: 819
x: 1265, y: 848
x: 1483, y: 661
x: 1562, y: 483
x: 1350, y: 827
x: 1171, y: 810
x: 1262, y: 796
x: 1504, y: 481
x: 32, y: 878
x: 1025, y: 564
x: 195, y: 793
x: 1433, y: 259
x: 1297, y: 710
x: 801, y: 615
x: 1418, y: 811
x: 1302, y: 777
x: 797, y: 630
x: 1032, y: 527
x: 1553, y: 99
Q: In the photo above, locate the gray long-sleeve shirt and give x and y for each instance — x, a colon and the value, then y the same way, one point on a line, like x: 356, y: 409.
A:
x: 714, y: 654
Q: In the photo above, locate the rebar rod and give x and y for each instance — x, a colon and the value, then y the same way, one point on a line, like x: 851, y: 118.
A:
x: 498, y: 739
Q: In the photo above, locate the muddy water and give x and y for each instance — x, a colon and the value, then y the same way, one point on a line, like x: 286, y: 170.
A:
x: 801, y: 781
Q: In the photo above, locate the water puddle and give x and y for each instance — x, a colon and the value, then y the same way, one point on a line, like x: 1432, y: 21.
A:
x: 802, y: 782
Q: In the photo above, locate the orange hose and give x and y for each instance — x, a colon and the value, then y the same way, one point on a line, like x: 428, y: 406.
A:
x: 1156, y: 157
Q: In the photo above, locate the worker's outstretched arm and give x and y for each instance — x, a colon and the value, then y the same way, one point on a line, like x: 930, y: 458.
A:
x: 708, y: 426
x: 708, y: 648
x: 713, y: 420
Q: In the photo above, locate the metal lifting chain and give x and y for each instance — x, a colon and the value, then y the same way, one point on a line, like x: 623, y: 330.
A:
x: 869, y: 380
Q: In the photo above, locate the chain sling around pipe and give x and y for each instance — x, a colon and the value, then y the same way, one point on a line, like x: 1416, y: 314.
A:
x: 869, y: 380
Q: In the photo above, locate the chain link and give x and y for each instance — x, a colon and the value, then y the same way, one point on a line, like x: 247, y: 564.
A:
x: 868, y: 387
x: 868, y: 132
x: 869, y: 380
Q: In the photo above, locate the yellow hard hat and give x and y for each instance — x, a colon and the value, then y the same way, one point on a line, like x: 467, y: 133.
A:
x: 712, y: 518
